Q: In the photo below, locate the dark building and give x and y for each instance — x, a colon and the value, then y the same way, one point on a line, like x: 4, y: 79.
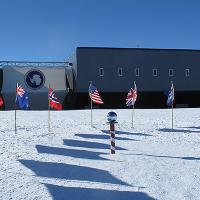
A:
x: 113, y: 71
x: 36, y: 78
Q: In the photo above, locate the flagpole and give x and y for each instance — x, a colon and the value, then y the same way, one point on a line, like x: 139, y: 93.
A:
x: 15, y: 107
x: 172, y: 106
x: 91, y: 113
x: 48, y: 111
x: 91, y: 108
x: 172, y: 115
x: 132, y: 115
x: 133, y: 104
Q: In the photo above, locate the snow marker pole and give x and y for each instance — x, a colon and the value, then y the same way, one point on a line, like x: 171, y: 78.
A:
x: 112, y: 137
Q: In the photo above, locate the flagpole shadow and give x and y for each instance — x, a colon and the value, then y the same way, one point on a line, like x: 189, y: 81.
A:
x: 75, y: 153
x: 77, y: 193
x: 88, y: 144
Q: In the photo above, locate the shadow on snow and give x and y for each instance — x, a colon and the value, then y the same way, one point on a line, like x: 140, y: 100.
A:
x: 184, y: 158
x: 87, y: 144
x: 192, y: 127
x: 100, y: 136
x: 70, y: 172
x: 170, y: 130
x: 76, y: 193
x: 126, y: 133
x: 75, y: 153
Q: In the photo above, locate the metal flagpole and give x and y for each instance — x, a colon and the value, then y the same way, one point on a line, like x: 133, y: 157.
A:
x: 172, y: 115
x: 15, y: 107
x: 172, y: 105
x: 91, y: 113
x: 132, y: 115
x: 48, y: 111
x: 133, y: 107
x: 91, y: 107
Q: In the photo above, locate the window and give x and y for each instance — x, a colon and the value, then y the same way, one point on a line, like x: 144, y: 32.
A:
x: 137, y: 72
x: 187, y: 72
x: 101, y: 72
x: 171, y: 72
x: 155, y: 72
x: 120, y: 71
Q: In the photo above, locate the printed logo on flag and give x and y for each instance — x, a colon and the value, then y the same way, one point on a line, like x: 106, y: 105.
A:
x: 34, y: 79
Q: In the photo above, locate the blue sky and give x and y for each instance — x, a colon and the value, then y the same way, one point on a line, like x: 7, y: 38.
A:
x: 50, y: 30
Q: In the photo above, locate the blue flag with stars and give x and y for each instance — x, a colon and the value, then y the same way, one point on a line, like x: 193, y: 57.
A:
x: 22, y: 98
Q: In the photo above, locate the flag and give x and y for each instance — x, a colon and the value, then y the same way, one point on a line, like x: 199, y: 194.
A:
x: 22, y: 97
x: 1, y: 101
x: 53, y: 102
x: 94, y: 95
x: 170, y: 98
x: 131, y: 96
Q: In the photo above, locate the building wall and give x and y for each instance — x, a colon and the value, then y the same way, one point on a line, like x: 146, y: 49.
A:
x: 54, y: 77
x: 90, y: 60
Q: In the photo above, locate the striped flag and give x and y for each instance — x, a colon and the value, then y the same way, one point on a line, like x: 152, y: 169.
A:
x: 94, y: 94
x: 131, y: 96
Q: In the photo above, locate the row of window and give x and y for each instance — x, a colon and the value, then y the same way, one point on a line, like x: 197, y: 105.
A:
x: 137, y: 72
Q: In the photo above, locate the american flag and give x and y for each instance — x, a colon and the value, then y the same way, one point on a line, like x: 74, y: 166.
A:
x: 94, y: 95
x: 131, y: 96
x: 20, y: 90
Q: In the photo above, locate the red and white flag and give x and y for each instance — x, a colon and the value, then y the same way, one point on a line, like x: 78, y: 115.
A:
x: 131, y: 96
x: 53, y: 101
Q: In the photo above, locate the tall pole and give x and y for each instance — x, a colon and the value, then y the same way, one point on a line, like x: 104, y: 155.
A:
x: 172, y: 104
x: 112, y: 137
x: 48, y: 111
x: 91, y: 112
x: 172, y: 115
x: 90, y: 106
x: 132, y: 115
x: 133, y: 103
x: 15, y: 107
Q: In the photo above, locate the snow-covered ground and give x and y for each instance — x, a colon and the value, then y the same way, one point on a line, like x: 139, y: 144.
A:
x: 73, y: 161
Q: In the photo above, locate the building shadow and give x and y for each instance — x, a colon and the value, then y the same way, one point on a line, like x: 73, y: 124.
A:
x: 75, y: 153
x: 70, y: 172
x: 175, y: 157
x: 101, y: 136
x: 77, y: 193
x: 170, y: 130
x: 87, y: 144
x: 126, y: 133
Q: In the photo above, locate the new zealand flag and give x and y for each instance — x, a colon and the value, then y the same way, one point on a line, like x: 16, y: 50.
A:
x: 22, y: 97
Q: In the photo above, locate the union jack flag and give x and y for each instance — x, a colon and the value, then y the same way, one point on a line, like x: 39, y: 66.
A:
x: 94, y: 95
x: 53, y: 101
x: 131, y: 96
